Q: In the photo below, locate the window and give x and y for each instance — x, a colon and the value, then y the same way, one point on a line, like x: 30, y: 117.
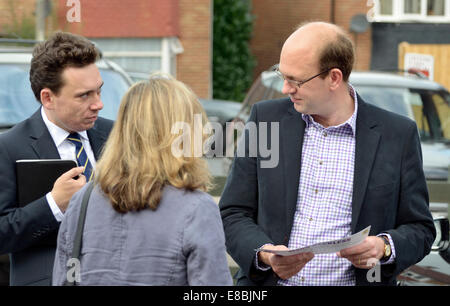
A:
x: 436, y: 7
x: 420, y: 115
x: 141, y: 56
x: 386, y: 7
x: 411, y: 6
x: 441, y: 102
x: 429, y: 108
x: 431, y: 113
x: 409, y: 11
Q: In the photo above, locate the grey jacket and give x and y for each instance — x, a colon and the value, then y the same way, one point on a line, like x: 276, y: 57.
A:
x: 180, y: 243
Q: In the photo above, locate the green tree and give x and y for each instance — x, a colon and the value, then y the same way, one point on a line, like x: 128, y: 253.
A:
x: 233, y: 62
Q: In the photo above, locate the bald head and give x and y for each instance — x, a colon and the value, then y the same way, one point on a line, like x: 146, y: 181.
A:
x: 312, y: 36
x: 319, y: 44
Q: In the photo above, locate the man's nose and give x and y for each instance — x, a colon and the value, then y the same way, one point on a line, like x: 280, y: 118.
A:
x: 287, y: 88
x: 98, y: 104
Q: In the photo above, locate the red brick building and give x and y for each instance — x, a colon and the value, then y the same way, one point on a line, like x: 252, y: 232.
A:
x: 176, y: 35
x: 275, y: 21
x: 390, y: 22
x: 173, y: 36
x: 145, y: 35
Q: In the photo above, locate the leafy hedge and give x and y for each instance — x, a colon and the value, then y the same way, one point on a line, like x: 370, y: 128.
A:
x: 233, y: 62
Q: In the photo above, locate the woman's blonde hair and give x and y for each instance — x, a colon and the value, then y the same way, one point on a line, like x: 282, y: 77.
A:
x: 137, y: 161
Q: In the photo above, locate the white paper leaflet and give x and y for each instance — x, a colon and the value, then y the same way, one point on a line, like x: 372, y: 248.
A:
x: 326, y: 247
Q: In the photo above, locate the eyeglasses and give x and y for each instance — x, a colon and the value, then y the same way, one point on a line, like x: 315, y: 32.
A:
x: 295, y: 83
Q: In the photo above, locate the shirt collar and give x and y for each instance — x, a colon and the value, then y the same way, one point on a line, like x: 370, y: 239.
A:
x: 351, y: 122
x: 58, y: 134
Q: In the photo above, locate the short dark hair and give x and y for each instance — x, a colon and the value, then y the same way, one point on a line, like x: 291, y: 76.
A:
x: 52, y: 56
x: 338, y: 53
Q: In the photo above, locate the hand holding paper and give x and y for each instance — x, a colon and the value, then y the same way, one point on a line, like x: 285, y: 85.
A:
x: 284, y: 266
x: 325, y: 247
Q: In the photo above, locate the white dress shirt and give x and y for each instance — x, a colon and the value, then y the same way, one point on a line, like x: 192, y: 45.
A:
x: 66, y: 150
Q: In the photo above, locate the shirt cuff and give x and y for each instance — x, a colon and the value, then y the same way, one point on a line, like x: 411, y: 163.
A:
x: 59, y: 216
x: 391, y: 242
x: 261, y: 266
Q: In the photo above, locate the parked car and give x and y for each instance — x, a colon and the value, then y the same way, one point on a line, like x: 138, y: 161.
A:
x: 434, y: 269
x: 426, y: 102
x: 17, y: 101
x: 221, y: 111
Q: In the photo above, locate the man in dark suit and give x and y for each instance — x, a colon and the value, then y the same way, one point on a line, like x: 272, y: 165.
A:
x: 343, y: 165
x: 67, y: 82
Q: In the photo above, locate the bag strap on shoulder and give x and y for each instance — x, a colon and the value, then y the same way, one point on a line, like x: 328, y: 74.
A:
x: 76, y: 250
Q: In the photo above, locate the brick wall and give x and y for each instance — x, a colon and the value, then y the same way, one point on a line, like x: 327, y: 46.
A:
x: 194, y: 65
x: 345, y: 10
x: 17, y: 8
x: 189, y: 20
x: 276, y: 20
x: 118, y: 18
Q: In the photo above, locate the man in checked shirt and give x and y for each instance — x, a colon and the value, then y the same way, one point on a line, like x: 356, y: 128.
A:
x: 343, y: 165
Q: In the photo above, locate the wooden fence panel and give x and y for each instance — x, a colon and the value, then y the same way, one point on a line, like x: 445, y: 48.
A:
x: 441, y: 54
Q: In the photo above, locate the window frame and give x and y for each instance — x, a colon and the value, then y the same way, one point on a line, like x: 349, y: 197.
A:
x: 170, y: 48
x: 398, y: 14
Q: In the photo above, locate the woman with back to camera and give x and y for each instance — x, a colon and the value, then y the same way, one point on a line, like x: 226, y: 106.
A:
x: 149, y: 220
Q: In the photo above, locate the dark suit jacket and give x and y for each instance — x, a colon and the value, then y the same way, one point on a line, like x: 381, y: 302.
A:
x: 29, y: 233
x: 389, y: 190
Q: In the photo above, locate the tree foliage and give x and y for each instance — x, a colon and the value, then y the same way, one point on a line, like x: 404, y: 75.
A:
x: 233, y: 62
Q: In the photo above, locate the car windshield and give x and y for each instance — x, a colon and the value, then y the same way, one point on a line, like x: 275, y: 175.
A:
x: 429, y: 108
x: 17, y: 101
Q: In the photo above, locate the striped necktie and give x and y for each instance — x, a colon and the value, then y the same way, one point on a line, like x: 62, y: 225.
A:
x: 82, y: 159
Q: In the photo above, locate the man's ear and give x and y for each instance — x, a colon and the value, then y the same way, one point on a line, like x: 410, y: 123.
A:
x: 336, y: 78
x: 47, y: 98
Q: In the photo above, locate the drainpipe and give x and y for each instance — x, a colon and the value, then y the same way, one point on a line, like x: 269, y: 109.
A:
x: 332, y: 11
x: 40, y: 20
